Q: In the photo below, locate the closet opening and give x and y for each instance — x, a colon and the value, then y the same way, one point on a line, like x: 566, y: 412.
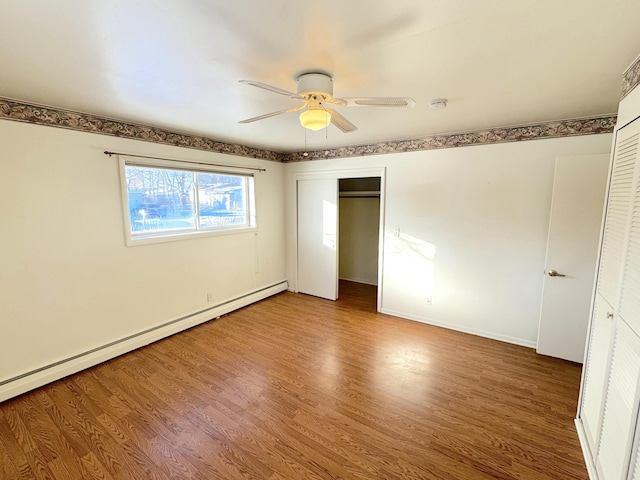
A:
x: 359, y: 238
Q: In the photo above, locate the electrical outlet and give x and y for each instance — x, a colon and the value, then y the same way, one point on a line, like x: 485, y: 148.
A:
x: 429, y: 300
x: 209, y: 296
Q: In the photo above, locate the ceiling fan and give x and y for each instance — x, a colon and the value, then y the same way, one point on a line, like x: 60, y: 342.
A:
x: 315, y: 91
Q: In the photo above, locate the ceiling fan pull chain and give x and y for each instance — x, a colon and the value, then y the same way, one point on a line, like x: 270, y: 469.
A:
x: 326, y: 129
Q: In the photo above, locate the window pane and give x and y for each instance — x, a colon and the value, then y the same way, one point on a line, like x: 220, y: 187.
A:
x: 167, y: 202
x: 222, y: 200
x: 160, y: 199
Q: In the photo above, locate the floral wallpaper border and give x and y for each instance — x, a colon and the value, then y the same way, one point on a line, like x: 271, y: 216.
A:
x: 54, y: 117
x: 562, y: 128
x: 631, y: 77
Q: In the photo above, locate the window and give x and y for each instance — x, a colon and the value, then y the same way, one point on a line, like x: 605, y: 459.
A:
x: 165, y: 202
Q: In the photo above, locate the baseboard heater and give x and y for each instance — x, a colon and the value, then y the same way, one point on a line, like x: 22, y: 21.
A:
x: 35, y: 378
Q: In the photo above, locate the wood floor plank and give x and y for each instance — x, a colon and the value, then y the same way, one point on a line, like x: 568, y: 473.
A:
x: 296, y: 387
x: 8, y: 468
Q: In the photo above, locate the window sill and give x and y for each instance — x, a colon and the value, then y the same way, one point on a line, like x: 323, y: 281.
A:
x: 179, y: 236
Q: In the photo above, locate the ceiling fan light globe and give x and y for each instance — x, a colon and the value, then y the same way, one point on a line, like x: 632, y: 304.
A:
x: 315, y: 118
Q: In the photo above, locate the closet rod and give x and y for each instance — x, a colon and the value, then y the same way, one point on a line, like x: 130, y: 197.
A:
x: 361, y: 193
x: 106, y: 152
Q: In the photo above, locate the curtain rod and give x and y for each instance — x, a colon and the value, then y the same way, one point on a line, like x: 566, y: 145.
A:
x: 107, y: 152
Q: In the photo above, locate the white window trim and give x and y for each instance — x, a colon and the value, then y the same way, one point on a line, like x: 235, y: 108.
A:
x: 162, y: 237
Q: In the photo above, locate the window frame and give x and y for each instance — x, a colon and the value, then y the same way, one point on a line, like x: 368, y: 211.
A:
x: 197, y: 231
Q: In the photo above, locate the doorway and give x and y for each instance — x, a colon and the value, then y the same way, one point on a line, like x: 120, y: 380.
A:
x: 359, y: 227
x: 340, y: 218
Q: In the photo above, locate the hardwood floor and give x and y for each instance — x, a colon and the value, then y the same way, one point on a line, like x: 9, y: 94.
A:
x: 296, y: 387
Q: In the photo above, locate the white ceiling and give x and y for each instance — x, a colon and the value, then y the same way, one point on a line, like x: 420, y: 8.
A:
x: 176, y: 64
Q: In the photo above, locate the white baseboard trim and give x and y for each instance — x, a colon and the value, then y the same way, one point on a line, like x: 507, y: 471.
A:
x: 588, y: 460
x: 481, y: 333
x: 36, y: 378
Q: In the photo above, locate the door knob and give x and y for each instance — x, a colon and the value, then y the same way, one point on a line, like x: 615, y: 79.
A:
x: 554, y: 273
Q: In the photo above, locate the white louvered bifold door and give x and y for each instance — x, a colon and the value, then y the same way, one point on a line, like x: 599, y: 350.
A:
x: 629, y: 308
x: 596, y: 374
x: 596, y: 370
x: 620, y: 405
x: 634, y: 474
x: 615, y: 227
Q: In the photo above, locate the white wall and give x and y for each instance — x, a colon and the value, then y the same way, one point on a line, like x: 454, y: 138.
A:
x: 472, y: 223
x: 69, y: 284
x: 358, y: 249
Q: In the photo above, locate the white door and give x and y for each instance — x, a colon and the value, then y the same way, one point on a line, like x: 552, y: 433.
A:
x: 318, y: 237
x: 572, y: 249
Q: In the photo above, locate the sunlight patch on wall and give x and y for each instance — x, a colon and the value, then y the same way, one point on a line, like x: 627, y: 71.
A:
x: 409, y: 265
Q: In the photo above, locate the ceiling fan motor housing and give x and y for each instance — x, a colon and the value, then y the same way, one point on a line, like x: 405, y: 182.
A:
x: 315, y: 84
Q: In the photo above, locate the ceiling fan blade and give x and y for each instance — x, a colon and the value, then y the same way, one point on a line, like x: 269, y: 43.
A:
x: 335, y: 101
x: 273, y: 114
x: 379, y: 101
x: 271, y: 88
x: 342, y: 123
